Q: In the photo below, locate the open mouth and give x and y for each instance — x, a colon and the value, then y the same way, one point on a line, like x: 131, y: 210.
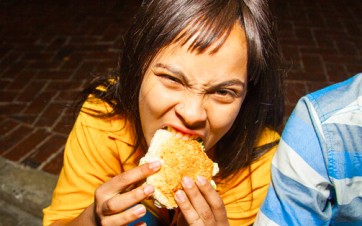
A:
x: 183, y: 136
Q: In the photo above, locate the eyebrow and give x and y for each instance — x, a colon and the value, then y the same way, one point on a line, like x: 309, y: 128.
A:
x: 182, y: 75
x: 172, y: 69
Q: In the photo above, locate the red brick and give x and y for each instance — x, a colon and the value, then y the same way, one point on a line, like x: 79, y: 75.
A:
x: 354, y: 69
x: 38, y: 56
x: 50, y: 115
x: 75, y: 41
x: 27, y: 74
x: 31, y: 91
x: 291, y: 53
x: 294, y: 91
x: 55, y: 165
x: 322, y: 51
x: 313, y: 86
x: 56, y: 85
x: 4, y: 84
x: 65, y: 124
x: 287, y: 111
x: 112, y: 31
x: 73, y: 61
x: 54, y: 75
x: 11, y: 108
x: 28, y: 46
x: 85, y: 70
x: 305, y: 35
x: 7, y: 96
x: 44, y: 65
x: 57, y: 43
x: 52, y: 145
x: 39, y: 103
x: 19, y: 83
x: 314, y: 65
x: 105, y: 67
x: 6, y: 126
x: 347, y: 48
x: 27, y: 145
x: 7, y: 141
x: 103, y: 55
x: 340, y: 59
x: 68, y: 96
x: 336, y: 72
x: 10, y: 58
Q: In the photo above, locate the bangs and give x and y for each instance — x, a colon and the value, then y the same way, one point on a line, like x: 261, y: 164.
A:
x: 210, y: 27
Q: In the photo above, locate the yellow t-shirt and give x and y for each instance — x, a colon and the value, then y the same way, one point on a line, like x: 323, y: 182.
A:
x: 96, y: 151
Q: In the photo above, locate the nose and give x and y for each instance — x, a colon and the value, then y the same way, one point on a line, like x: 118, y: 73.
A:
x: 191, y: 110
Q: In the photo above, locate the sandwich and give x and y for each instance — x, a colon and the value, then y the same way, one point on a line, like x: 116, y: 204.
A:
x: 179, y: 157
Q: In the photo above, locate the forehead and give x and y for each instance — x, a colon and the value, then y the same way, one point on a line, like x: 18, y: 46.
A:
x: 230, y: 57
x: 202, y: 38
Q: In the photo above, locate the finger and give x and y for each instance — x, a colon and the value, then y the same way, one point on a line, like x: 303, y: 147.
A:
x: 213, y: 199
x: 125, y: 217
x: 198, y: 203
x: 189, y: 213
x: 121, y: 202
x: 121, y: 182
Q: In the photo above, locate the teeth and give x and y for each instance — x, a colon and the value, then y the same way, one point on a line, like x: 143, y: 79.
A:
x: 186, y: 137
x: 183, y: 136
x: 178, y: 135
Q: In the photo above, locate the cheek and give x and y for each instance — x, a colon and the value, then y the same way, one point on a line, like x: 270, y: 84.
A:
x: 153, y: 106
x: 147, y: 96
x: 146, y: 109
x: 224, y: 119
x: 153, y: 102
x: 221, y: 120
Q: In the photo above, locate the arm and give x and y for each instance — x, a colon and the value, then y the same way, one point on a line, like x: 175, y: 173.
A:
x: 299, y: 193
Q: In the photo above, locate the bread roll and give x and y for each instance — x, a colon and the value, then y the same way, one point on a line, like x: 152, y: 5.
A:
x: 180, y: 157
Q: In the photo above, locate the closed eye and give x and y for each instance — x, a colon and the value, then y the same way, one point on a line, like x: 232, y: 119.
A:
x: 225, y: 92
x: 170, y: 81
x: 169, y: 77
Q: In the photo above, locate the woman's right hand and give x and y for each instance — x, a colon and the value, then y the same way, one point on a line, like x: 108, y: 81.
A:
x: 117, y: 200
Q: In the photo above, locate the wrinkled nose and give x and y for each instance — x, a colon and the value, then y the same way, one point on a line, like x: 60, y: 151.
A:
x: 192, y: 111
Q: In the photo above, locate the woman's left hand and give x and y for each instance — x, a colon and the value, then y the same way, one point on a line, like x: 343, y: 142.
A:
x: 200, y: 204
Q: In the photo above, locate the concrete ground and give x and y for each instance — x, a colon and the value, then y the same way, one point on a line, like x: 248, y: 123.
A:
x: 24, y: 193
x: 12, y: 215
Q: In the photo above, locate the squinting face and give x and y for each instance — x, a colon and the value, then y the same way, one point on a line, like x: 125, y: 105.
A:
x: 198, y: 95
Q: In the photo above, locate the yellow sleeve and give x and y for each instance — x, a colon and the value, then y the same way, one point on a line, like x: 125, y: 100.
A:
x: 92, y: 156
x: 244, y: 193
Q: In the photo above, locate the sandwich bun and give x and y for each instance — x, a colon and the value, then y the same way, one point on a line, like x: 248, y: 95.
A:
x: 179, y: 157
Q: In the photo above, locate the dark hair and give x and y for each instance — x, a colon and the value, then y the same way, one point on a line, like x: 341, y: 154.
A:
x: 162, y: 22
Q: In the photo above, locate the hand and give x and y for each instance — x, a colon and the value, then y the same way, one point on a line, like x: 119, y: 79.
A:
x: 116, y: 200
x: 200, y: 204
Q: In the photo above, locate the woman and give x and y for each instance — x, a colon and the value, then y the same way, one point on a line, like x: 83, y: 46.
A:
x: 205, y: 68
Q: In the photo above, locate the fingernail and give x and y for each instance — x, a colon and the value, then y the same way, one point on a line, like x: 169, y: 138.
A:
x: 201, y: 180
x: 148, y: 190
x: 187, y: 182
x: 155, y: 166
x: 180, y: 196
x: 139, y: 210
